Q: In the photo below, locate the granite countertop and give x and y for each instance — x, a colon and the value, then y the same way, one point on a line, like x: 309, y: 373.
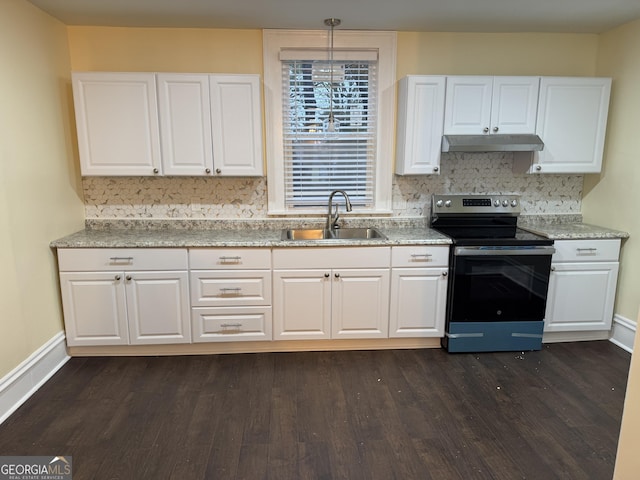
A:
x: 140, y: 233
x: 137, y: 237
x: 572, y: 231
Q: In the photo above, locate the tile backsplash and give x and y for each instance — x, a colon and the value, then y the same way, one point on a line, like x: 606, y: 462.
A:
x: 246, y: 198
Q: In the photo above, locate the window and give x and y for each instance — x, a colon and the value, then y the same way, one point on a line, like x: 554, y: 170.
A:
x: 307, y: 158
x: 322, y: 155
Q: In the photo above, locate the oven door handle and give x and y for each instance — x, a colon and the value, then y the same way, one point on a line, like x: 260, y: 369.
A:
x: 511, y: 250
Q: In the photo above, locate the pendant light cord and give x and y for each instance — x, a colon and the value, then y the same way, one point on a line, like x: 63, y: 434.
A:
x: 331, y: 22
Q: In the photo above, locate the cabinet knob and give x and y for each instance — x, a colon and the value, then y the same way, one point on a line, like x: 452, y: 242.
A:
x: 337, y: 275
x: 128, y: 277
x: 485, y: 129
x: 435, y: 169
x: 538, y: 168
x: 445, y: 273
x: 218, y: 170
x: 326, y: 275
x: 495, y: 129
x: 208, y: 170
x: 118, y: 277
x: 553, y: 269
x: 155, y: 170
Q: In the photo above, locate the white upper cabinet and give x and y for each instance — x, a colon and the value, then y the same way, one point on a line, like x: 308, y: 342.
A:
x: 514, y: 104
x: 189, y: 124
x: 236, y: 116
x: 478, y: 105
x: 420, y: 124
x: 117, y: 123
x: 185, y: 124
x: 572, y: 122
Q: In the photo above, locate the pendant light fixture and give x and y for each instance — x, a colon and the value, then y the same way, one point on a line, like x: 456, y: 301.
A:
x: 331, y: 121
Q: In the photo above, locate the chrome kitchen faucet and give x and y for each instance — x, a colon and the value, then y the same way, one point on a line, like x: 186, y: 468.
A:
x: 332, y: 219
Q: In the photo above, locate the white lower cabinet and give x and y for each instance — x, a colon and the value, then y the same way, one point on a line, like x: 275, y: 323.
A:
x: 230, y: 294
x: 95, y: 308
x: 125, y: 296
x: 418, y: 291
x: 582, y: 285
x: 302, y: 304
x: 231, y: 324
x: 322, y: 293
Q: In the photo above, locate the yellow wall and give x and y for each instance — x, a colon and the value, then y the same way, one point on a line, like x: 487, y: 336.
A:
x: 165, y: 49
x: 612, y: 199
x: 39, y: 187
x: 425, y: 53
x: 240, y: 51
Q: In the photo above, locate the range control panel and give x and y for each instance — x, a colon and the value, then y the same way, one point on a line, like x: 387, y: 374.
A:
x: 492, y: 204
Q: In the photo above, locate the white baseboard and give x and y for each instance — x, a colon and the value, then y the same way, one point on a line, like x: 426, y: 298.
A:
x: 24, y: 380
x: 623, y: 332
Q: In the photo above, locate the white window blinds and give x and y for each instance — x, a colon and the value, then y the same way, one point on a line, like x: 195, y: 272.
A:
x: 317, y: 157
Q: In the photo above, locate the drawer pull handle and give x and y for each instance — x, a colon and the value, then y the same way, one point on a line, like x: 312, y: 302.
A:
x: 121, y: 259
x: 231, y: 325
x: 232, y: 290
x: 230, y: 259
x: 587, y: 250
x: 425, y: 256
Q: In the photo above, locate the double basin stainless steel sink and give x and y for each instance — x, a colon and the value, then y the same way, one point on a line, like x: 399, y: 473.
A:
x: 337, y: 234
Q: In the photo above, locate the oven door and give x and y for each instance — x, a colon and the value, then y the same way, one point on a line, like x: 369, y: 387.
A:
x: 499, y: 284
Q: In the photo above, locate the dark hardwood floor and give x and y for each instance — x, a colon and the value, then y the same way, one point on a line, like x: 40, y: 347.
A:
x: 404, y: 414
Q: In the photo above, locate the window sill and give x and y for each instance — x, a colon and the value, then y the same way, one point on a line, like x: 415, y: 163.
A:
x: 323, y: 212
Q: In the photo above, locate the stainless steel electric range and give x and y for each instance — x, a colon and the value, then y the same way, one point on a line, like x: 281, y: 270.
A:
x: 498, y: 274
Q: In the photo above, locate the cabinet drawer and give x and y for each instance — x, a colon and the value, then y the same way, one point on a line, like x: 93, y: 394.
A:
x: 348, y: 257
x: 228, y: 288
x: 119, y: 259
x: 420, y: 256
x: 229, y: 258
x: 231, y: 324
x: 601, y: 250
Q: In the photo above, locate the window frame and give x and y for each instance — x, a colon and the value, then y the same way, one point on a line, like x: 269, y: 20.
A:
x: 385, y: 43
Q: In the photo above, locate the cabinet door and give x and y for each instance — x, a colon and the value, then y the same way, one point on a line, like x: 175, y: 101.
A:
x: 572, y: 122
x: 420, y: 124
x: 514, y: 105
x: 236, y: 117
x: 117, y: 123
x: 185, y: 124
x: 360, y: 303
x: 94, y: 306
x: 468, y: 105
x: 581, y: 296
x: 301, y: 304
x: 158, y: 307
x: 418, y: 302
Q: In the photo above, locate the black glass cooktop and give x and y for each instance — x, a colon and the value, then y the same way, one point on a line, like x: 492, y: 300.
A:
x: 479, y: 230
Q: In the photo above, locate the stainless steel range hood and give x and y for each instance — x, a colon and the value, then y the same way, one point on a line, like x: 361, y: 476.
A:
x: 492, y: 143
